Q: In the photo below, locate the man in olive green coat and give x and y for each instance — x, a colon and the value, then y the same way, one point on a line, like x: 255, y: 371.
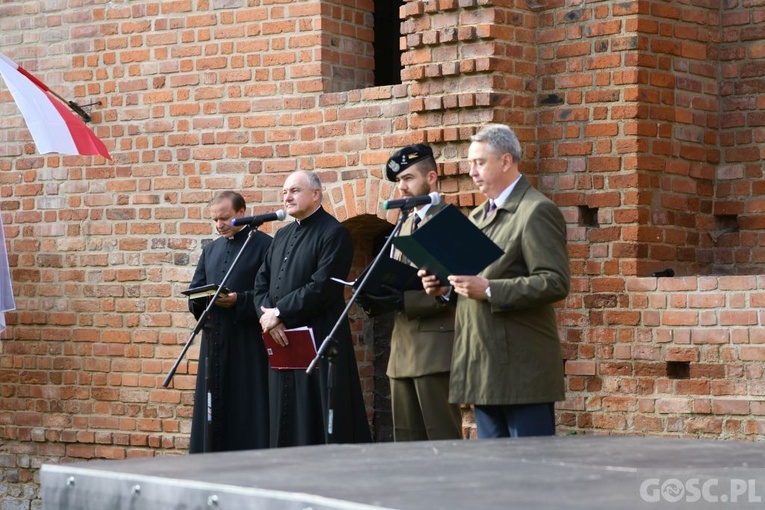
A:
x: 507, y: 358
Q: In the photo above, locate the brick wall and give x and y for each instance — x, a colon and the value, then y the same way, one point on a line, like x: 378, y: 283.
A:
x: 733, y: 242
x: 628, y: 130
x: 641, y: 119
x: 667, y: 356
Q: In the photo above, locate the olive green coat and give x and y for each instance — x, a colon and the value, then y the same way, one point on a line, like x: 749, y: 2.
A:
x: 507, y: 349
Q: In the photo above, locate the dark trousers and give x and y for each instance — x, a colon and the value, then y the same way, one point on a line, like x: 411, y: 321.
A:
x: 515, y: 420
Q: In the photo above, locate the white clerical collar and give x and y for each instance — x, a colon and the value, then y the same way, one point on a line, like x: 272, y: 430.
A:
x: 506, y: 193
x: 314, y: 212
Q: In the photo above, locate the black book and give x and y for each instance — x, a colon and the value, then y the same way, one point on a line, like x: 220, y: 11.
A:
x: 203, y: 291
x: 388, y: 273
x: 449, y: 244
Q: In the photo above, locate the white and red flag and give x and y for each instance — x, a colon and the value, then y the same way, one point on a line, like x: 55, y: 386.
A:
x: 53, y: 126
x: 6, y: 291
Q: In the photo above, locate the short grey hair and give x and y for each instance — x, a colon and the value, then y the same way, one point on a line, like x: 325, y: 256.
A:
x: 501, y: 139
x: 313, y: 181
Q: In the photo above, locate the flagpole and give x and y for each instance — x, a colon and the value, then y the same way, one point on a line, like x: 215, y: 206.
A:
x: 71, y: 104
x: 74, y: 106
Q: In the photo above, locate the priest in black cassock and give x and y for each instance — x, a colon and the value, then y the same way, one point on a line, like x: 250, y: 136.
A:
x: 232, y: 346
x: 293, y: 289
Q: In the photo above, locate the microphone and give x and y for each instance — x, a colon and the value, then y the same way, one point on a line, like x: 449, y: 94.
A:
x: 259, y: 219
x: 665, y: 273
x: 409, y: 202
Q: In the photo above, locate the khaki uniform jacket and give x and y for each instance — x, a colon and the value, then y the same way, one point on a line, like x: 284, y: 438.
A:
x: 507, y: 350
x: 423, y: 333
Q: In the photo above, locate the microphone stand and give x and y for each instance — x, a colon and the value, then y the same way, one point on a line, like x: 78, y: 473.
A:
x: 200, y: 324
x: 328, y: 348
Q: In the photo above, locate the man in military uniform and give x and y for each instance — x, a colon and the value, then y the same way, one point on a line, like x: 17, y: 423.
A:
x: 423, y: 331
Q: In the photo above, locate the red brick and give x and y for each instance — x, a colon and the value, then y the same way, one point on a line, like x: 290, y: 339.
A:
x: 720, y: 406
x: 679, y: 318
x: 752, y: 353
x: 681, y: 354
x: 710, y: 336
x: 580, y: 368
x: 673, y: 405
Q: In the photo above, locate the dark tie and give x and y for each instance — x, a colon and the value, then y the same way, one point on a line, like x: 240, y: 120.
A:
x: 417, y: 220
x: 492, y: 208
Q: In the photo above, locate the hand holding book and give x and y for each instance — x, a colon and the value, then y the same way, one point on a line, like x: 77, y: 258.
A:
x: 296, y: 355
x: 203, y: 291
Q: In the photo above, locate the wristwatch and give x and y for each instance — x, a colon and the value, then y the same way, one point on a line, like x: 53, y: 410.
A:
x: 277, y: 313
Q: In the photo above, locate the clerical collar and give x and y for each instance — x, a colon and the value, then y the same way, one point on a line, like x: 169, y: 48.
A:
x: 242, y: 231
x: 307, y: 218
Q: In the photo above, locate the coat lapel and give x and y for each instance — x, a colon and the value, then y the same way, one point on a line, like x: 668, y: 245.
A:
x: 478, y: 215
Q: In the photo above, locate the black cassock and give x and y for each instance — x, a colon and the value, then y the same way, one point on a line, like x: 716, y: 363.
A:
x: 295, y: 278
x: 237, y: 361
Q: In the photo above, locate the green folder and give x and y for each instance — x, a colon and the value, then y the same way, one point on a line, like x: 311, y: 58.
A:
x: 449, y: 244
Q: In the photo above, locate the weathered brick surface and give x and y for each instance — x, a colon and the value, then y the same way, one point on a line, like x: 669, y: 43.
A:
x: 724, y: 363
x: 642, y: 120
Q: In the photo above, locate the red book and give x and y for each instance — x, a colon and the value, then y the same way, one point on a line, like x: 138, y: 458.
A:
x: 297, y: 355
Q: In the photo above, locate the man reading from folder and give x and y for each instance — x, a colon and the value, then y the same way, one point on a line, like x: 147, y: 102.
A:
x: 294, y: 289
x: 423, y: 330
x: 507, y: 356
x: 231, y: 344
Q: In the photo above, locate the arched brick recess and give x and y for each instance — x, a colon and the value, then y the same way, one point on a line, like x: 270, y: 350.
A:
x: 358, y: 205
x: 347, y: 199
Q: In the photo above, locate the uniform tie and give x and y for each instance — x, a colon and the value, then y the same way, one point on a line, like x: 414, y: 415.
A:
x: 417, y: 220
x: 492, y: 208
